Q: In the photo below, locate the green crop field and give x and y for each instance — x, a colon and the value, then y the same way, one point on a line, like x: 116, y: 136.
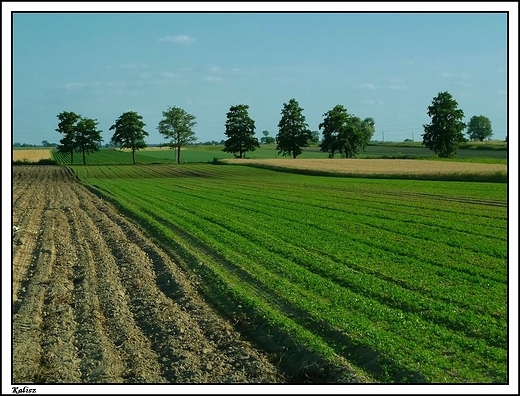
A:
x: 468, y: 153
x: 404, y: 279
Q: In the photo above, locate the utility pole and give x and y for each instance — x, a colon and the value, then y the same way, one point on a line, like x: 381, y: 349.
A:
x: 383, y: 136
x: 413, y: 140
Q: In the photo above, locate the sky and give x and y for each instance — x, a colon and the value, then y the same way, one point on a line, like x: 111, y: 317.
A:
x: 384, y: 65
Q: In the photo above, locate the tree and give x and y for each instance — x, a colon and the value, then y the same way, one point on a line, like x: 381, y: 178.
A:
x: 479, y: 128
x: 129, y: 132
x: 240, y: 130
x: 67, y: 126
x: 267, y: 139
x: 345, y: 133
x: 444, y: 133
x: 177, y: 125
x: 294, y: 133
x: 88, y: 138
x: 315, y: 137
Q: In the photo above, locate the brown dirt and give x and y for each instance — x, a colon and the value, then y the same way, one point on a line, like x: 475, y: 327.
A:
x: 88, y: 304
x: 376, y: 166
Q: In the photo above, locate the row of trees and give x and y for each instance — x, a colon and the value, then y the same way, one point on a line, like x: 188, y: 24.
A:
x: 81, y: 134
x: 343, y: 133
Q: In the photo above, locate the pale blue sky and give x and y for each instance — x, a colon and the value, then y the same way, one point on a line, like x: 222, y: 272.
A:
x: 387, y: 66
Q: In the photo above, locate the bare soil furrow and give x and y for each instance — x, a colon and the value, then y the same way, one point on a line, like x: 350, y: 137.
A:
x: 60, y: 361
x: 28, y: 310
x: 100, y: 359
x: 134, y: 347
x: 94, y: 300
x: 27, y: 238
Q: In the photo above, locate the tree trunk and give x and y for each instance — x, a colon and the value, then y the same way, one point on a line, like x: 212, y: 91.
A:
x: 72, y: 157
x: 84, y: 160
x: 133, y: 156
x: 178, y: 154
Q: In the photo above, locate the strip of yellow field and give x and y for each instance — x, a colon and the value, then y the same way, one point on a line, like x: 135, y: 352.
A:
x: 32, y: 155
x: 375, y: 166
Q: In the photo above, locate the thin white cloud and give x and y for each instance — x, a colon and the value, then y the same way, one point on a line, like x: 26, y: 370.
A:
x: 447, y: 75
x: 179, y: 39
x: 372, y: 102
x: 501, y: 92
x: 75, y: 85
x: 367, y: 86
x: 213, y: 78
x: 169, y: 75
x: 398, y: 87
x: 133, y: 66
x: 397, y: 80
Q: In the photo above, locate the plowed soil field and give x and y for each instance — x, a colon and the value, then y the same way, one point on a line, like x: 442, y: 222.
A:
x: 94, y: 300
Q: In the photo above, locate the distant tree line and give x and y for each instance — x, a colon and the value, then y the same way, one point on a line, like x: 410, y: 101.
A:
x: 342, y: 133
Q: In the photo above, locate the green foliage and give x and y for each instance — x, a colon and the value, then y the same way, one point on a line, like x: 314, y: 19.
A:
x: 266, y: 139
x: 67, y: 126
x: 427, y: 293
x: 479, y: 128
x: 177, y: 126
x: 81, y: 135
x: 129, y: 132
x: 444, y: 133
x: 293, y: 133
x: 345, y: 133
x: 240, y: 130
x: 315, y: 137
x: 88, y: 137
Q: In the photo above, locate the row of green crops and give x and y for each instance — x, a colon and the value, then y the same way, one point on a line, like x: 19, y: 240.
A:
x: 415, y: 271
x: 211, y: 153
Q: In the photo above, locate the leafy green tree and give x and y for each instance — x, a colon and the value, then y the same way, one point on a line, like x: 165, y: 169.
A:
x: 267, y: 139
x: 88, y: 137
x: 345, y: 133
x: 293, y: 133
x: 129, y: 132
x: 479, y: 128
x: 444, y: 133
x: 240, y: 130
x: 315, y: 137
x: 177, y: 126
x: 67, y: 126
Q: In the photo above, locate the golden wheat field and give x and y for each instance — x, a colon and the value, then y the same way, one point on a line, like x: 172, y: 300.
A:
x: 376, y: 166
x: 31, y: 155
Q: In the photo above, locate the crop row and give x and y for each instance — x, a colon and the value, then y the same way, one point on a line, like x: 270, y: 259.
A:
x: 429, y: 300
x: 362, y: 317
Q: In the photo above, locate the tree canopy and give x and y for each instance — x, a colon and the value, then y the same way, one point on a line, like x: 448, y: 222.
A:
x: 88, y: 137
x: 345, y: 133
x: 177, y: 126
x: 479, y: 128
x: 129, y: 132
x: 294, y: 133
x: 444, y: 133
x: 240, y: 130
x: 81, y: 135
x: 67, y: 126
